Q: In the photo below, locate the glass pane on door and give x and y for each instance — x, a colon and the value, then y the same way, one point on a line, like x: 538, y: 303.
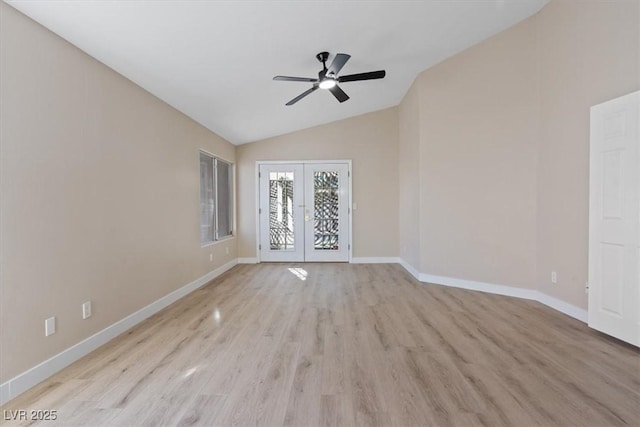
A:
x: 326, y: 212
x: 281, y: 221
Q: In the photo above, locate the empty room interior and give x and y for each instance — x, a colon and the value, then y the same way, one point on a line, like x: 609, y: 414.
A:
x: 320, y: 213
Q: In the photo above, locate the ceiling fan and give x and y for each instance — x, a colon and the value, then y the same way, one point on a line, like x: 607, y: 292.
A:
x: 328, y: 77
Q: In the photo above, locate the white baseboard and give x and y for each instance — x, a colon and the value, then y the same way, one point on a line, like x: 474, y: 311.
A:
x: 354, y: 260
x: 5, y: 395
x: 411, y: 269
x: 375, y: 260
x: 44, y: 370
x: 491, y: 288
x: 563, y: 307
x: 530, y: 294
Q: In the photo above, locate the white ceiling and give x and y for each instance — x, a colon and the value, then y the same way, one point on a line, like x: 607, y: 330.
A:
x: 215, y: 60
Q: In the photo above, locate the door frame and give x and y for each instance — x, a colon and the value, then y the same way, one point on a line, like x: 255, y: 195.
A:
x: 302, y: 162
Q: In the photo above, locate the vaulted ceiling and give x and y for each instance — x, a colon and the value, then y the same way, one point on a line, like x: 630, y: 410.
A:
x: 215, y: 60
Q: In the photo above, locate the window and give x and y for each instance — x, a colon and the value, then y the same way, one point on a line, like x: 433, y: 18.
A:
x: 216, y: 199
x: 224, y: 201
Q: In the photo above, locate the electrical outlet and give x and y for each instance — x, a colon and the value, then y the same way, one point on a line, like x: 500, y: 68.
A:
x: 227, y: 250
x: 210, y: 257
x: 554, y: 277
x: 86, y: 310
x: 50, y: 326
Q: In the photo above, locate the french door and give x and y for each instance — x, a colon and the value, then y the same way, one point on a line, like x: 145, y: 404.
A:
x: 304, y: 211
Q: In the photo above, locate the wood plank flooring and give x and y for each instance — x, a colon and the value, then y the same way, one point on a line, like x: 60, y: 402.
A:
x: 346, y: 345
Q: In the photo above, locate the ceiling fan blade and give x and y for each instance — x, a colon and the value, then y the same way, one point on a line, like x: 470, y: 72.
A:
x: 362, y: 76
x: 339, y: 93
x: 338, y: 63
x: 295, y: 79
x: 302, y: 95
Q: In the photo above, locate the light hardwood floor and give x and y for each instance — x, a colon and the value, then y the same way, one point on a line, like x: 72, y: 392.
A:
x: 340, y: 344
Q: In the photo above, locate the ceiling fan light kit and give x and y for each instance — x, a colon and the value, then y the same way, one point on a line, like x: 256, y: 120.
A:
x: 328, y: 77
x: 327, y: 83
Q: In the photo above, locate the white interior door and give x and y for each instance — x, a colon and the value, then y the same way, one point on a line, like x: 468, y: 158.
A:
x: 326, y: 212
x: 304, y: 212
x: 614, y: 218
x: 281, y: 212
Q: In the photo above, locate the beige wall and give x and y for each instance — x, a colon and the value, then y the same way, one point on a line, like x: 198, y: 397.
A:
x: 477, y: 162
x: 370, y: 141
x: 589, y: 52
x: 100, y: 195
x: 503, y: 145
